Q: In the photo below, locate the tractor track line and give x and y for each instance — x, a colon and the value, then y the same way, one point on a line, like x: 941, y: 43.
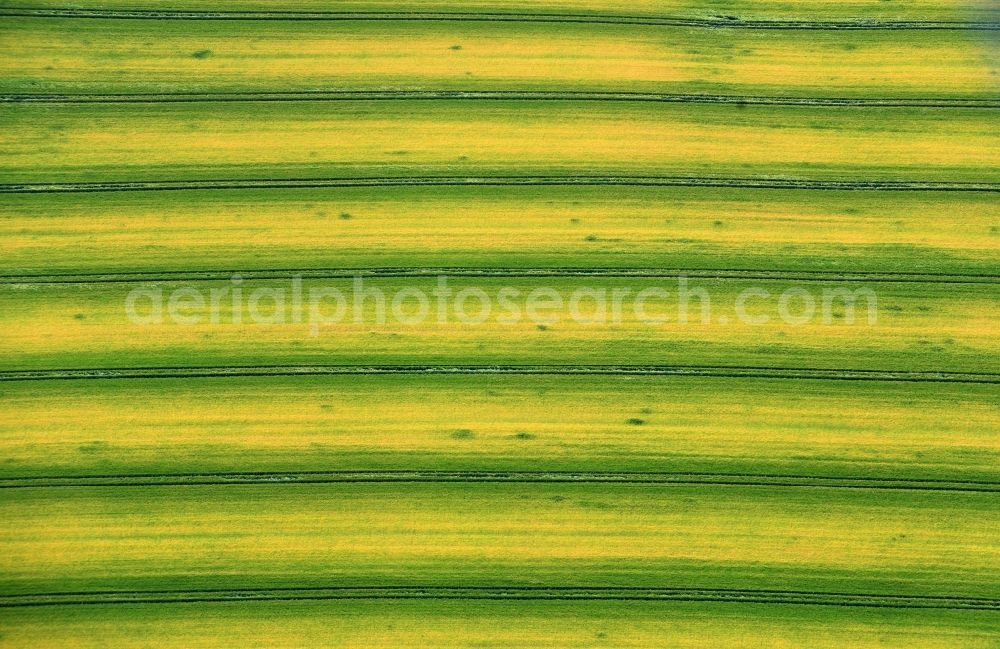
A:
x: 537, y: 370
x: 716, y: 22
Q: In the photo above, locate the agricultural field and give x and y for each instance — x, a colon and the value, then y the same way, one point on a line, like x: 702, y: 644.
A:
x: 85, y: 143
x: 695, y: 429
x: 609, y: 227
x: 225, y: 57
x: 499, y: 323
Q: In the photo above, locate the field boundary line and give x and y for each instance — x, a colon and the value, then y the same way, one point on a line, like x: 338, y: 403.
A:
x: 527, y: 370
x: 721, y: 274
x: 501, y: 593
x: 717, y: 22
x: 498, y: 95
x: 491, y: 477
x: 502, y: 181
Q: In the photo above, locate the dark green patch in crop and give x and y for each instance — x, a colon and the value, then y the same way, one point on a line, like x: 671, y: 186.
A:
x: 91, y: 448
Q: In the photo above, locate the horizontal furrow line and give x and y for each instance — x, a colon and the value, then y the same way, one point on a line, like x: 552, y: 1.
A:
x: 504, y: 593
x: 538, y: 370
x: 501, y: 95
x: 500, y: 181
x: 719, y: 22
x: 586, y: 477
x: 347, y: 273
